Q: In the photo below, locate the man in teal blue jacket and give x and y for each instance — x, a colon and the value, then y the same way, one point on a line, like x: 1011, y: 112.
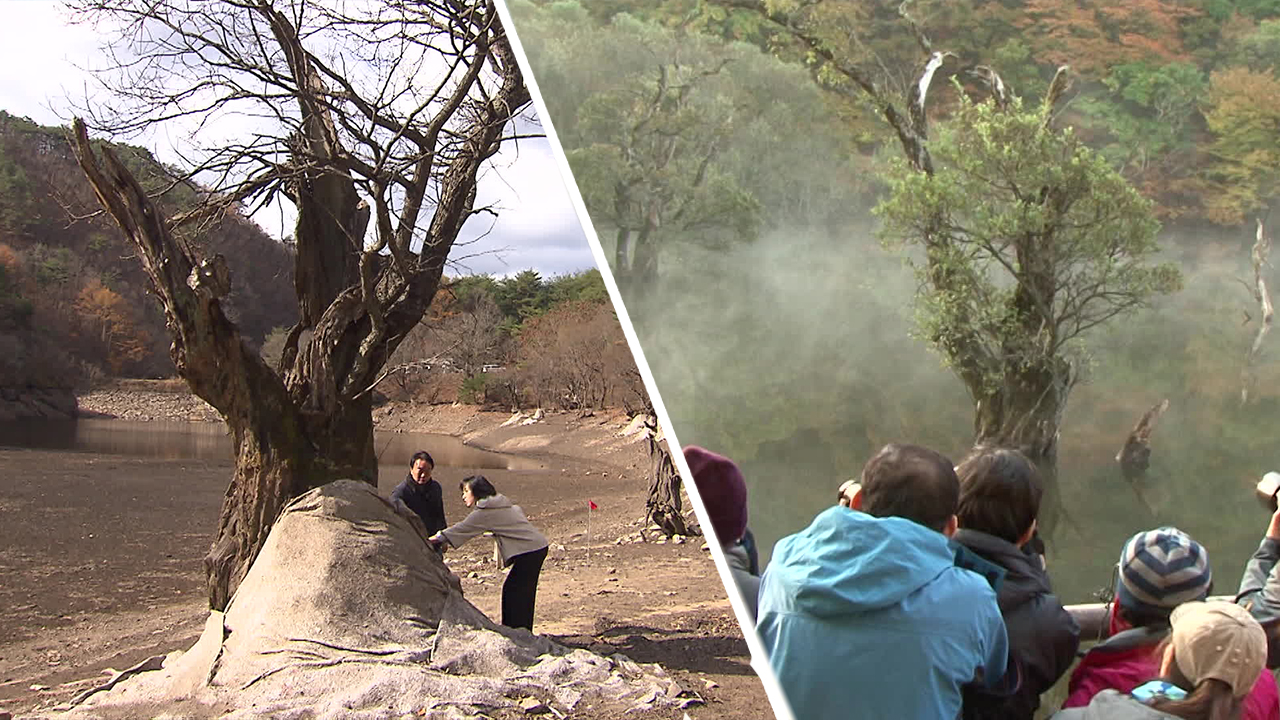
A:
x: 866, y: 614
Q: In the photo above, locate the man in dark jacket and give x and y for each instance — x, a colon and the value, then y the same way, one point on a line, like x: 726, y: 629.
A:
x: 421, y: 494
x: 1000, y: 495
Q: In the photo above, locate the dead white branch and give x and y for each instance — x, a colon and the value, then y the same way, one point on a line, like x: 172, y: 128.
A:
x: 1261, y: 254
x: 1057, y: 88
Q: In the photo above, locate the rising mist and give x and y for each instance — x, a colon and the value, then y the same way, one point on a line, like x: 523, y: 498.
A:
x: 796, y: 356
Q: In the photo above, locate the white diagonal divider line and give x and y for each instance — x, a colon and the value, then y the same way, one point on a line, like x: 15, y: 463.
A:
x: 759, y: 658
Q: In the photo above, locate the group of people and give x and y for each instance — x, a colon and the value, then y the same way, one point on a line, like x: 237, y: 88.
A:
x: 521, y: 546
x: 923, y: 593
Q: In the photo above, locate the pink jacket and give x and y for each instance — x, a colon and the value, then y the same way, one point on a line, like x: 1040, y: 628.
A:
x: 1129, y: 658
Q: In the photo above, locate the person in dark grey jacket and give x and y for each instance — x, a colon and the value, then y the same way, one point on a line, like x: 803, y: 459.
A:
x: 1000, y: 495
x: 1260, y: 588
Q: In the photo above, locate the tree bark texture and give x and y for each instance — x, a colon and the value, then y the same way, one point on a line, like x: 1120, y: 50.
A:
x: 622, y: 254
x: 643, y: 274
x: 664, y: 507
x: 1024, y: 412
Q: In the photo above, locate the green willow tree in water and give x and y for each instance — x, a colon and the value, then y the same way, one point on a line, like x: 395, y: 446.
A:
x: 1024, y: 238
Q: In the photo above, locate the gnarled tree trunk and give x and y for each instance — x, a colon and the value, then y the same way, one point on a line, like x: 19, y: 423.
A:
x: 664, y: 506
x: 643, y: 274
x: 1025, y: 413
x: 309, y: 421
x: 280, y: 450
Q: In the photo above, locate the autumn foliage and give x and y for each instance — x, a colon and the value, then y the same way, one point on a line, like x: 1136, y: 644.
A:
x: 74, y: 303
x: 521, y: 341
x: 1178, y: 95
x: 576, y: 357
x: 1243, y: 113
x: 1093, y: 36
x: 106, y: 319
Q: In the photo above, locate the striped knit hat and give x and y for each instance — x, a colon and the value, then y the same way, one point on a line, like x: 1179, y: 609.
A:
x: 1161, y: 569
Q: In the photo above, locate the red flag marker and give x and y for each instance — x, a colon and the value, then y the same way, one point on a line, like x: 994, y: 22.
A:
x: 591, y: 505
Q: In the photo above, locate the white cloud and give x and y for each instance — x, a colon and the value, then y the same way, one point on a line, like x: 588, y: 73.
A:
x: 40, y: 51
x: 536, y: 221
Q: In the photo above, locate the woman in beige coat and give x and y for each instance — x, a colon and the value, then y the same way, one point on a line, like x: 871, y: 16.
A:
x: 521, y: 546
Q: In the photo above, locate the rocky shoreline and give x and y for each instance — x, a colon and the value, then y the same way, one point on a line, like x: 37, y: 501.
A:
x: 172, y: 400
x: 140, y: 404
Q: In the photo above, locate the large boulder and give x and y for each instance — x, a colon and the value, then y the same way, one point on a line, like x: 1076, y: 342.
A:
x: 347, y: 613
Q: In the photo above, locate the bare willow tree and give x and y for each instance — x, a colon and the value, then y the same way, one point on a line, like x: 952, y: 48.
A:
x: 373, y: 120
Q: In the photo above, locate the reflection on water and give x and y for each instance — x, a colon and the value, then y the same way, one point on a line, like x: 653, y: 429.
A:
x: 209, y: 441
x: 165, y: 440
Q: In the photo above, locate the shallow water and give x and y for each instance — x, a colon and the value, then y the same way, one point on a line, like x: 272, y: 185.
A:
x: 799, y: 362
x: 173, y: 440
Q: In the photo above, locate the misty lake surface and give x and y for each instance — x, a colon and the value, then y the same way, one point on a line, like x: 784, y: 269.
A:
x: 210, y: 442
x: 800, y: 375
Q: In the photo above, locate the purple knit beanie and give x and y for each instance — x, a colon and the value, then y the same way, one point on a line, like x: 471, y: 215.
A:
x: 723, y: 492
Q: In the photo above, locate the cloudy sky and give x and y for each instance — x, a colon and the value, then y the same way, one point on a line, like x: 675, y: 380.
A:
x: 536, y: 228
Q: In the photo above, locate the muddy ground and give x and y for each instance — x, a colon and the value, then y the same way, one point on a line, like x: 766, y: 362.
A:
x: 100, y: 557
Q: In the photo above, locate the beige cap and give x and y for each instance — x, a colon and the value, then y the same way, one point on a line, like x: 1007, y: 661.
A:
x: 1221, y: 641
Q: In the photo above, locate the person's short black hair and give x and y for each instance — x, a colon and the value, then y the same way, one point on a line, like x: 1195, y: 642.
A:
x: 422, y: 455
x: 1000, y: 492
x: 480, y: 486
x: 911, y: 482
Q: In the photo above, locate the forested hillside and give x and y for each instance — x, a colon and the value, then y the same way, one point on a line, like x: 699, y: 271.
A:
x: 74, y: 304
x: 1180, y: 96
